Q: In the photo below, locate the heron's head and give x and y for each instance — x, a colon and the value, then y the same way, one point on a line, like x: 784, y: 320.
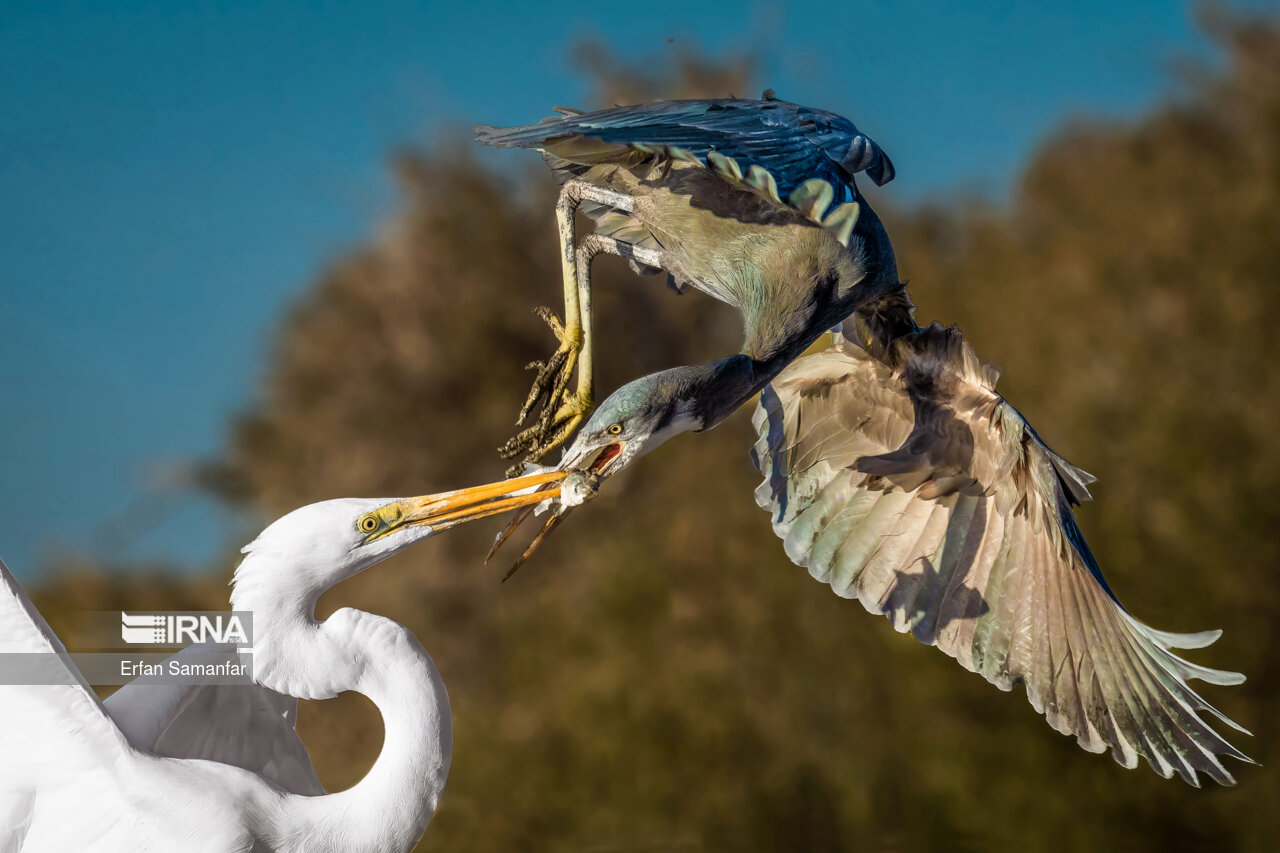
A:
x: 631, y: 422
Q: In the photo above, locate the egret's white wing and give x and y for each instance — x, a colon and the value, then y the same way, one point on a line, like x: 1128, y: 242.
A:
x: 49, y: 733
x: 907, y: 482
x: 54, y: 728
x: 245, y: 725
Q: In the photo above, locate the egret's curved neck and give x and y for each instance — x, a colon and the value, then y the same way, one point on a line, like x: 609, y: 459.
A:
x: 352, y: 650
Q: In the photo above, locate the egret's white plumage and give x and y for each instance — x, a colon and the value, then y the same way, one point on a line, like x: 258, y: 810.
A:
x: 245, y: 725
x: 206, y: 768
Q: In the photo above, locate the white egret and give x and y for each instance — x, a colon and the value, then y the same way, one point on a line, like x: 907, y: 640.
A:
x: 137, y: 775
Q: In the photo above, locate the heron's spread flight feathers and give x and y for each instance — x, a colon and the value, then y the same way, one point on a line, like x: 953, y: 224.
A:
x: 792, y: 142
x: 907, y: 482
x: 794, y: 157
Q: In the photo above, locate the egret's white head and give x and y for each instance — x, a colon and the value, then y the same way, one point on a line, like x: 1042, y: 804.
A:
x: 302, y: 554
x: 345, y: 535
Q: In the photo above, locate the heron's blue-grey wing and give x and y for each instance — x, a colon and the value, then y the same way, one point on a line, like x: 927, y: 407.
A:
x: 791, y: 142
x: 907, y: 482
x: 244, y: 725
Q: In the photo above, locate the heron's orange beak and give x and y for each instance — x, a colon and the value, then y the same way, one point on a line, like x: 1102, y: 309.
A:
x: 449, y: 509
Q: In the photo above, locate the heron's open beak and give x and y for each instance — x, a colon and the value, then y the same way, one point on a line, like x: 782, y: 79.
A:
x: 581, y: 473
x: 449, y: 509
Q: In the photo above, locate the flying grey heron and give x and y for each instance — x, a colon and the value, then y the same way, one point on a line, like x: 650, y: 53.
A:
x: 218, y: 767
x: 751, y: 202
x: 894, y: 471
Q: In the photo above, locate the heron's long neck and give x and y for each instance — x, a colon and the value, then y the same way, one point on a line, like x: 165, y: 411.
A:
x: 776, y: 335
x: 716, y: 389
x: 352, y: 650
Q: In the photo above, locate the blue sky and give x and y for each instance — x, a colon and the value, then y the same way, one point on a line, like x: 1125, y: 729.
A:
x: 173, y: 175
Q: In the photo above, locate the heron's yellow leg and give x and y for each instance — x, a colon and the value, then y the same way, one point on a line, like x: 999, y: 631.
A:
x: 563, y: 412
x: 560, y: 423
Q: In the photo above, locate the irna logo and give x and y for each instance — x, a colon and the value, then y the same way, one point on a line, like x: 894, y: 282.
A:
x: 176, y: 629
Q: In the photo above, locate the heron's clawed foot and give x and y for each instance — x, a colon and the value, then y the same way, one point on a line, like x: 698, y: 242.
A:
x: 554, y: 373
x: 551, y: 431
x: 562, y: 412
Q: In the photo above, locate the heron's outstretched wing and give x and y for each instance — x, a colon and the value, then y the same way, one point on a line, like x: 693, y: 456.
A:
x: 908, y: 483
x: 244, y: 725
x: 793, y: 143
x: 50, y: 733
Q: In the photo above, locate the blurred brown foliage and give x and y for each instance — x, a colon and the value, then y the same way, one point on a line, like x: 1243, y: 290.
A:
x: 661, y: 677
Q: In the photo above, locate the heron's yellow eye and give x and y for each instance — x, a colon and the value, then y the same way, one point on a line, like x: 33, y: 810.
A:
x: 616, y: 429
x: 368, y: 523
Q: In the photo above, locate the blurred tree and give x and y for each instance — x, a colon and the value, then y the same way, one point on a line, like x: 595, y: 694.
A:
x: 662, y: 677
x: 679, y: 73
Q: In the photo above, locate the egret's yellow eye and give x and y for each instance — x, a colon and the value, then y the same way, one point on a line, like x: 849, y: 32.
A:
x: 368, y: 523
x: 616, y: 429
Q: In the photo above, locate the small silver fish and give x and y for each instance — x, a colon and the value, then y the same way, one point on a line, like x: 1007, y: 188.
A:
x: 578, y: 488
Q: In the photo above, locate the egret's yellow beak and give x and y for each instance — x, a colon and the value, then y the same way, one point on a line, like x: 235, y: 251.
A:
x: 449, y: 509
x: 574, y: 489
